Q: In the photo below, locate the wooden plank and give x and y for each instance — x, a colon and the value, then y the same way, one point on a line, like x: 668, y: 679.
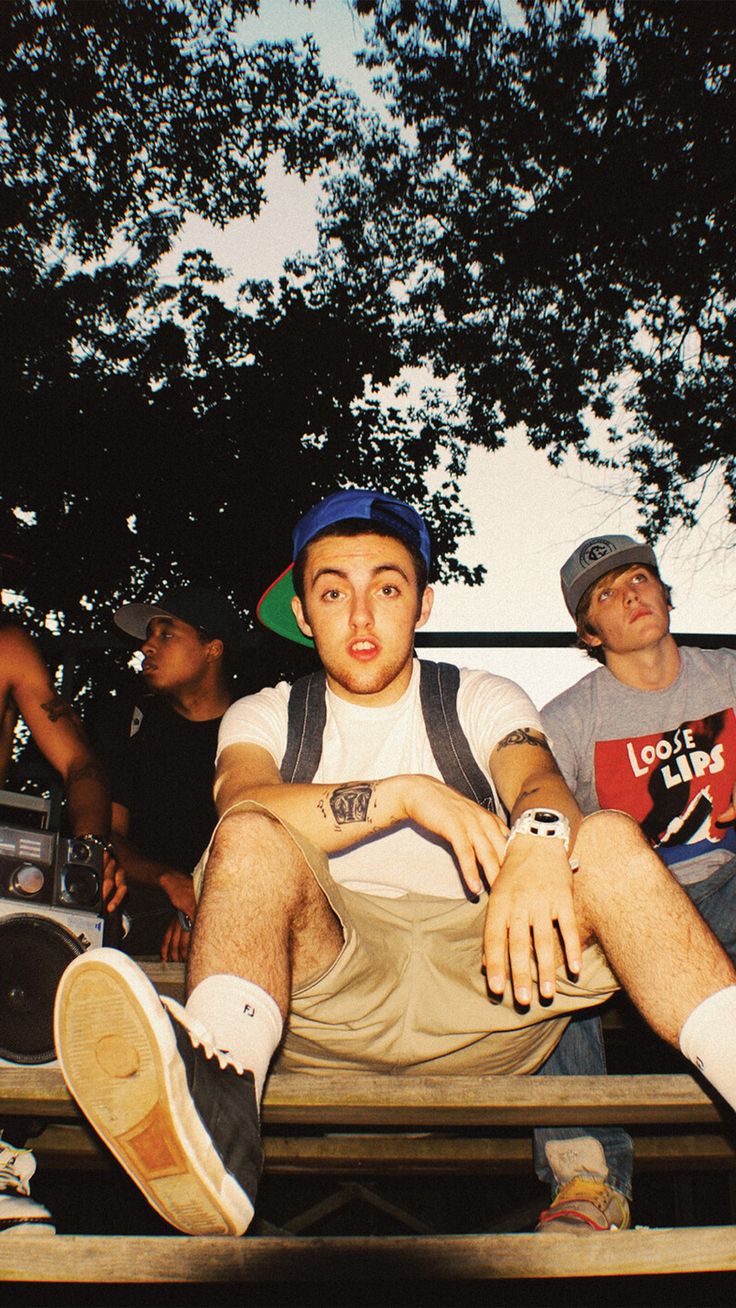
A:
x: 273, y: 1259
x: 402, y: 1155
x: 63, y: 1145
x: 685, y: 1152
x: 342, y: 1098
x: 168, y: 978
x: 34, y: 1091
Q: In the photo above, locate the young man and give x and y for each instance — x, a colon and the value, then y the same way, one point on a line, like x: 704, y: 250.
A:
x: 26, y: 689
x: 162, y: 762
x: 652, y: 731
x: 347, y: 919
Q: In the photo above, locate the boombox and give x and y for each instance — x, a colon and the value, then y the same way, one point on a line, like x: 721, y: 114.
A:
x: 51, y: 910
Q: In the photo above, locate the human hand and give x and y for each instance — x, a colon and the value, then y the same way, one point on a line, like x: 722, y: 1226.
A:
x: 530, y: 910
x: 180, y: 889
x: 176, y: 941
x: 114, y: 888
x: 477, y: 837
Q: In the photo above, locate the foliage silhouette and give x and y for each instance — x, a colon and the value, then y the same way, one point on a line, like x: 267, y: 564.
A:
x: 550, y: 219
x: 156, y: 433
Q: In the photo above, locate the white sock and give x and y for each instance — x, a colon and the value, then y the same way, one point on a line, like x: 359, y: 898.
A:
x: 243, y: 1019
x: 708, y: 1039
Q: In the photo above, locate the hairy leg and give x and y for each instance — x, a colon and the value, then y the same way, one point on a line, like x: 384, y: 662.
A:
x: 262, y: 914
x: 655, y: 940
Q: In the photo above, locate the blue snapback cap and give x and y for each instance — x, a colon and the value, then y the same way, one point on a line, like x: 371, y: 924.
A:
x: 399, y: 519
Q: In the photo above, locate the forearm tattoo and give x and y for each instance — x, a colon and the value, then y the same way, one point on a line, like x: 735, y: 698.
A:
x: 350, y: 803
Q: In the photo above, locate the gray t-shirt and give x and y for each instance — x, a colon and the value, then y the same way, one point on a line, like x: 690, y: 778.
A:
x: 667, y: 757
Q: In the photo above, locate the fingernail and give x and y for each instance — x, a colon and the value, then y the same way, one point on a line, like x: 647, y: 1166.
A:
x: 496, y: 983
x: 547, y: 989
x: 523, y: 996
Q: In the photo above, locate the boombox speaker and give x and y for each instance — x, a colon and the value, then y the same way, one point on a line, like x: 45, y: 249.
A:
x: 51, y: 911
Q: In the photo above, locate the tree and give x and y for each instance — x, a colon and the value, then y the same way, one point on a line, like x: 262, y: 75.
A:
x: 158, y: 434
x: 550, y: 220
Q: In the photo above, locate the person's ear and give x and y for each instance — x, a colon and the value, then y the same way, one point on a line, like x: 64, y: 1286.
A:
x: 425, y: 607
x: 297, y: 609
x: 215, y: 650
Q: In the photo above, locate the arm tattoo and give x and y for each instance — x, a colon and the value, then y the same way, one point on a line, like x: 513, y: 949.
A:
x: 523, y: 736
x: 57, y: 708
x: 529, y: 795
x: 350, y: 803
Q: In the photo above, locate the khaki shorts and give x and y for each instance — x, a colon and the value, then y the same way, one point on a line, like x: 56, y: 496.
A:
x: 407, y: 994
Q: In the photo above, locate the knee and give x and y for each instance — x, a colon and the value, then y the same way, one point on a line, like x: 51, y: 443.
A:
x: 606, y: 838
x: 251, y: 854
x: 249, y: 836
x: 257, y: 821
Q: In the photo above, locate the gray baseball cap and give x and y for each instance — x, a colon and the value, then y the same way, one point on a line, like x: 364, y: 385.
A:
x: 597, y: 556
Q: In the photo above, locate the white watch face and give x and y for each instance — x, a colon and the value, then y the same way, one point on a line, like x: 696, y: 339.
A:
x: 543, y: 822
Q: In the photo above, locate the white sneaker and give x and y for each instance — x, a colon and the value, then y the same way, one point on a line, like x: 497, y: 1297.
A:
x: 176, y: 1113
x: 19, y: 1214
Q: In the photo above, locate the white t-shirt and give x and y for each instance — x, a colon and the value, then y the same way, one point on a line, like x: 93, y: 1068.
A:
x: 363, y: 743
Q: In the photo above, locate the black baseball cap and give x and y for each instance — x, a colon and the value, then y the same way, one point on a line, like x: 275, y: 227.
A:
x: 207, y: 610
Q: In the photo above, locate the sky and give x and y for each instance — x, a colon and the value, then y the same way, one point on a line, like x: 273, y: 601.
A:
x: 527, y: 516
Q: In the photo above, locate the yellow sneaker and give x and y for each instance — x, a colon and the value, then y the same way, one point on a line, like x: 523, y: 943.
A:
x: 585, y: 1204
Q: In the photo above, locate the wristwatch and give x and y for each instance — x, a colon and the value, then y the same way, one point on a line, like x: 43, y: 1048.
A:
x: 100, y: 841
x: 541, y: 822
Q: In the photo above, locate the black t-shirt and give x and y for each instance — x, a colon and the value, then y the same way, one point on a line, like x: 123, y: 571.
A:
x: 161, y: 770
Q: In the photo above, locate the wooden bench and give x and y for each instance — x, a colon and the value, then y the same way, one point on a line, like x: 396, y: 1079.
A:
x: 360, y: 1125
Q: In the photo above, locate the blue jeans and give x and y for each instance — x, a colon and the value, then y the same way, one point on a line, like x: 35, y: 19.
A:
x: 715, y: 900
x: 580, y: 1052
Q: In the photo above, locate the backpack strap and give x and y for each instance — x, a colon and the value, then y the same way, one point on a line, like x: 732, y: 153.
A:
x: 438, y: 687
x: 307, y: 718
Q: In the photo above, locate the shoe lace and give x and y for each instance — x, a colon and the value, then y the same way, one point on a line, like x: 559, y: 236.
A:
x: 201, y: 1038
x: 11, y: 1171
x: 583, y: 1199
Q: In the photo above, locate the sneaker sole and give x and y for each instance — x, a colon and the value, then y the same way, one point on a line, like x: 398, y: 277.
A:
x: 27, y: 1229
x: 119, y: 1058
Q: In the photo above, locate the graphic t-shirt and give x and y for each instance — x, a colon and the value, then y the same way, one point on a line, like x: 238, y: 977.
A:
x: 667, y: 757
x: 366, y: 743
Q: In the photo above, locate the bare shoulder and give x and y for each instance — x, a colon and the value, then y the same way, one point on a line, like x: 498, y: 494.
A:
x: 13, y: 636
x: 19, y: 654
